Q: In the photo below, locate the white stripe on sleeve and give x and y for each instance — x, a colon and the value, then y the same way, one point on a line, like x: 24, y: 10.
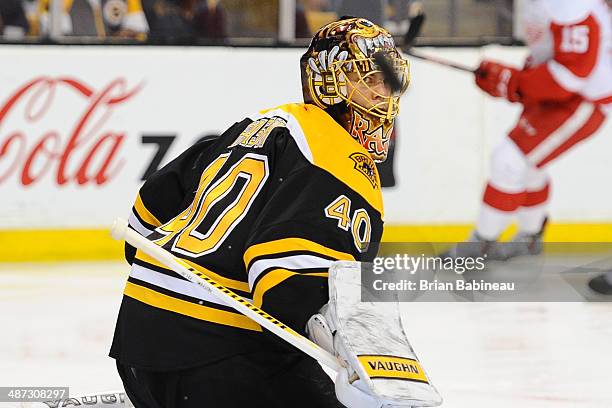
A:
x: 566, y: 78
x: 137, y: 225
x: 174, y: 284
x: 288, y: 262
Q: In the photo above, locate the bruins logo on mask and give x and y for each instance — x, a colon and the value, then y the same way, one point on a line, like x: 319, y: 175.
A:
x: 365, y: 165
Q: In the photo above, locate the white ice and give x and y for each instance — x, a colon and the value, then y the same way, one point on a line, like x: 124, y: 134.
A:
x: 57, y: 320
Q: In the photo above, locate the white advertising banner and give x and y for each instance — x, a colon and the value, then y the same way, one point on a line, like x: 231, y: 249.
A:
x: 80, y: 128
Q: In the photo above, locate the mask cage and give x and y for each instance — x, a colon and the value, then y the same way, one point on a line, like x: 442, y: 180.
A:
x: 352, y: 78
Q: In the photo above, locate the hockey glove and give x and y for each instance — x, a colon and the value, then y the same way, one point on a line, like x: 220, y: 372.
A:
x: 498, y: 80
x: 349, y: 391
x: 380, y: 367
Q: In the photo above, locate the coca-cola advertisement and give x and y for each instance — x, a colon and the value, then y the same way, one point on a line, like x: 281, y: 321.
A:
x: 80, y: 129
x: 84, y: 150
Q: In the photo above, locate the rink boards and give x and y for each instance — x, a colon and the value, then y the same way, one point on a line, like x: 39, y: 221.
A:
x: 80, y: 127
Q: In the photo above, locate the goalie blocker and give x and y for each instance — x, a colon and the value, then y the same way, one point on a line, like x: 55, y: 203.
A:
x: 381, y: 368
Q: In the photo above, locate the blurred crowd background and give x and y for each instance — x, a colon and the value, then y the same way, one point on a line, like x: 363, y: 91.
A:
x: 242, y: 21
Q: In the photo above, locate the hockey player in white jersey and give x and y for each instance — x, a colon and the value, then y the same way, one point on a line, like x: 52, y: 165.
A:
x: 565, y: 88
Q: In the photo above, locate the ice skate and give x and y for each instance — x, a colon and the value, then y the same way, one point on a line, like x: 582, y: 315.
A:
x: 474, y: 247
x: 602, y: 284
x: 524, y: 244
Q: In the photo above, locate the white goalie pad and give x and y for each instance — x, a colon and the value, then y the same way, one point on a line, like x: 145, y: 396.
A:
x: 371, y: 338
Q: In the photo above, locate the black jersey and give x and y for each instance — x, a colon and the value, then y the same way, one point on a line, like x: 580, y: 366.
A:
x: 264, y: 209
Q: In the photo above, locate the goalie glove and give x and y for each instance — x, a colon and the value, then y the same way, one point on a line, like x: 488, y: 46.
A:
x: 498, y: 80
x: 380, y: 367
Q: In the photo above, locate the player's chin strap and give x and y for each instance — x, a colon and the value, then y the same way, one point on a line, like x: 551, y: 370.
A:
x: 380, y: 366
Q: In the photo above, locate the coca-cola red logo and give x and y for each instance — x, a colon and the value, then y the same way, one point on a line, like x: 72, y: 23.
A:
x: 81, y: 147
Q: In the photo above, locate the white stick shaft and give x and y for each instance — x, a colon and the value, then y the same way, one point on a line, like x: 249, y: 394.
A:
x: 121, y: 231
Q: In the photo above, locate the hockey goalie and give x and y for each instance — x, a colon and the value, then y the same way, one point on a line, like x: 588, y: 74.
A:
x: 265, y: 210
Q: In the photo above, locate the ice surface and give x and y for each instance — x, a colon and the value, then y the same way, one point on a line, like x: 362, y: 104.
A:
x: 56, y: 324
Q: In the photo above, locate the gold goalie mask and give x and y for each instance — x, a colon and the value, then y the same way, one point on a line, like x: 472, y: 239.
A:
x: 341, y: 76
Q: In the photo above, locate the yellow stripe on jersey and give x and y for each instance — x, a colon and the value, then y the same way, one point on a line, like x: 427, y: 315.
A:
x: 144, y: 213
x: 275, y: 277
x: 43, y: 5
x: 227, y: 282
x: 335, y: 151
x: 134, y: 6
x: 209, y: 314
x: 289, y: 245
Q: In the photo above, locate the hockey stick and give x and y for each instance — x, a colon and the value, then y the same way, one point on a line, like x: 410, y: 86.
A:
x: 441, y: 61
x: 111, y: 399
x: 416, y: 24
x: 120, y: 231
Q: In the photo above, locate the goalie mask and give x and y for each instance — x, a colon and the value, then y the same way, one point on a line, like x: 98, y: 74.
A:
x: 341, y: 76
